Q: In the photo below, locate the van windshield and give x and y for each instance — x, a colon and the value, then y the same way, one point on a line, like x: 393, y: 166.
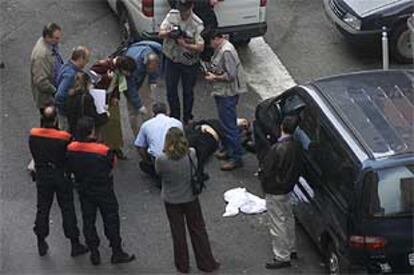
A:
x: 392, y: 194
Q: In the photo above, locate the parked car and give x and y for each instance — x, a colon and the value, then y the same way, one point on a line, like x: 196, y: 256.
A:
x: 241, y: 20
x: 355, y: 196
x: 362, y: 22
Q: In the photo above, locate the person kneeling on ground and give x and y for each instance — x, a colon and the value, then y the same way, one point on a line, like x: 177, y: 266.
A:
x: 151, y: 137
x: 92, y: 164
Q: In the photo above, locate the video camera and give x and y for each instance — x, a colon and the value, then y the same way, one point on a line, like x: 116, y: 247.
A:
x: 176, y: 32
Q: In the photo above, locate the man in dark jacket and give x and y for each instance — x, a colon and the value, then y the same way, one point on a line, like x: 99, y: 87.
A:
x: 48, y: 148
x: 92, y: 164
x: 280, y: 172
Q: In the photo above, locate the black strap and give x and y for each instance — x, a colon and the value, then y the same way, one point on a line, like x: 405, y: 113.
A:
x: 192, y: 166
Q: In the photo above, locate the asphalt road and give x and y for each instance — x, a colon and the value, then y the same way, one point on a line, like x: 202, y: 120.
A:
x: 310, y: 46
x: 241, y: 243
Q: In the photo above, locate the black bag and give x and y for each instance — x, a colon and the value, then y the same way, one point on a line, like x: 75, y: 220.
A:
x: 197, y: 179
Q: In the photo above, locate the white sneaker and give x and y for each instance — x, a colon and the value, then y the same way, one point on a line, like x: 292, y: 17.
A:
x: 31, y: 166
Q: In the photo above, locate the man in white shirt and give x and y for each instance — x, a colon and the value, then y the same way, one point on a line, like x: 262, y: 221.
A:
x: 151, y: 137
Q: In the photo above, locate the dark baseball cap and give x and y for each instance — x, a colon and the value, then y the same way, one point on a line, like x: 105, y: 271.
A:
x: 184, y: 5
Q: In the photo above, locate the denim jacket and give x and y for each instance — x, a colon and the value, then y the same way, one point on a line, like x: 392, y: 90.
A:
x: 65, y: 81
x: 138, y: 51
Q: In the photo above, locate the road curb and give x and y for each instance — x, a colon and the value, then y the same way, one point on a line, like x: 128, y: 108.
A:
x: 266, y: 75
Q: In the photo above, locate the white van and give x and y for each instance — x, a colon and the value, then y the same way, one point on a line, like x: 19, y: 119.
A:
x: 240, y: 19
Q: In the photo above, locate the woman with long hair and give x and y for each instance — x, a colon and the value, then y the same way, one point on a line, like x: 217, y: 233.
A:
x: 182, y: 206
x: 80, y: 103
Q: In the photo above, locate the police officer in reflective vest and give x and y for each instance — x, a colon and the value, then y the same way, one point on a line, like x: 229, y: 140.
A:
x: 48, y: 148
x: 92, y: 164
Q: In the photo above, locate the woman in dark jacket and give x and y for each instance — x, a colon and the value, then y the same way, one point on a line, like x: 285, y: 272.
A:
x: 182, y: 206
x: 80, y: 103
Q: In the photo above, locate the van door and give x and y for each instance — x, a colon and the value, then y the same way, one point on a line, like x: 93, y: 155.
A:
x: 325, y: 192
x: 237, y: 12
x: 308, y: 197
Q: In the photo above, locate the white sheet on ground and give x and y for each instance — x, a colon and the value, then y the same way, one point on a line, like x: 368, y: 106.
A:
x: 240, y: 198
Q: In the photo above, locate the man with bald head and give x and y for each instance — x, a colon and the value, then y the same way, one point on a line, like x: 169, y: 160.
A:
x: 147, y: 57
x: 66, y: 78
x: 45, y: 64
x: 48, y: 148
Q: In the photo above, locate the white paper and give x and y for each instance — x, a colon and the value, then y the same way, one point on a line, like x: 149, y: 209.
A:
x: 99, y: 96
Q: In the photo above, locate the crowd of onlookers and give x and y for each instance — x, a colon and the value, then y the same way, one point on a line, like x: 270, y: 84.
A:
x: 79, y: 141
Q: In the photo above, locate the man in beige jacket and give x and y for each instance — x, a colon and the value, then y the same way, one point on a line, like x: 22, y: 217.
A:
x: 45, y: 64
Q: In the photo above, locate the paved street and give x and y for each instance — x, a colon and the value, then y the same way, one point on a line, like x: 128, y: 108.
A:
x: 241, y: 244
x: 310, y: 46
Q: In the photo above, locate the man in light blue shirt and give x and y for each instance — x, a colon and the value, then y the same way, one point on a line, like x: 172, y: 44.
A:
x: 151, y: 137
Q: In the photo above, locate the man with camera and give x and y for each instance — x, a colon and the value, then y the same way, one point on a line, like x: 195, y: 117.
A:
x: 228, y: 81
x: 183, y: 43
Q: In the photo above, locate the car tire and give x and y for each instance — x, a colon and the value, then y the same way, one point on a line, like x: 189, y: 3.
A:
x: 401, y: 47
x: 128, y: 32
x: 334, y: 264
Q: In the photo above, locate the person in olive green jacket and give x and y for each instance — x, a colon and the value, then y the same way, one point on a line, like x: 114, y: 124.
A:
x: 45, y: 63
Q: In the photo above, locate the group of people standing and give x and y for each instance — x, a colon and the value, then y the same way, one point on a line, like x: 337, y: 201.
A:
x: 77, y: 146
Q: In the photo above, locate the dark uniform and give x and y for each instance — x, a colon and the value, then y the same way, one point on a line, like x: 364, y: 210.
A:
x: 92, y: 164
x: 48, y: 148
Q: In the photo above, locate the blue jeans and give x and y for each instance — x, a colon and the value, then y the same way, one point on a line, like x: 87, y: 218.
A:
x: 188, y: 75
x: 227, y: 112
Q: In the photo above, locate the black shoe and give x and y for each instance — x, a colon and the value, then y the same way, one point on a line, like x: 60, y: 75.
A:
x: 221, y: 155
x: 42, y: 247
x: 277, y: 264
x: 214, y: 268
x: 120, y: 155
x: 33, y: 175
x: 78, y: 249
x: 121, y: 257
x: 294, y: 256
x: 95, y: 257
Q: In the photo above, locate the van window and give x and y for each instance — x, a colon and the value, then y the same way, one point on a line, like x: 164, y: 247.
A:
x: 328, y: 157
x: 338, y: 170
x: 391, y: 193
x: 307, y: 134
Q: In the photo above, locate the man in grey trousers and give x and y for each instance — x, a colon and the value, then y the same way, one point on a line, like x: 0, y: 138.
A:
x: 279, y: 174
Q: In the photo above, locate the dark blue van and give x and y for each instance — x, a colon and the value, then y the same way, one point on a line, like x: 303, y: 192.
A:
x: 355, y: 197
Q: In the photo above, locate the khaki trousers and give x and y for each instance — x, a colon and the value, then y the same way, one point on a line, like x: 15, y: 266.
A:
x: 281, y: 226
